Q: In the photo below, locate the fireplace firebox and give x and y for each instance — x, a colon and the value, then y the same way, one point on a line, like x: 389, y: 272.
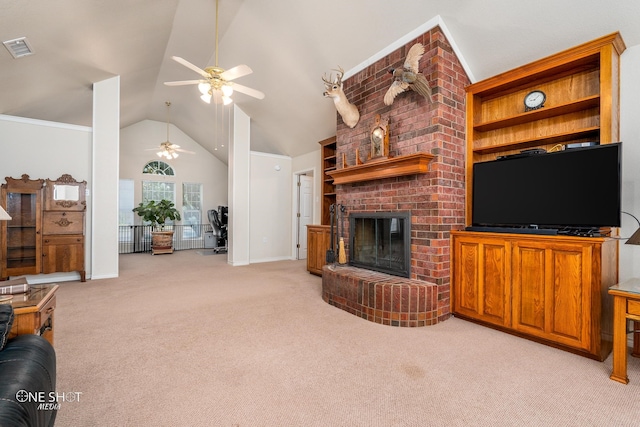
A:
x: 381, y: 241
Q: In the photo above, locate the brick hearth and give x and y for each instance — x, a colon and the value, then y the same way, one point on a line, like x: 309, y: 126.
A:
x: 436, y: 199
x: 380, y: 297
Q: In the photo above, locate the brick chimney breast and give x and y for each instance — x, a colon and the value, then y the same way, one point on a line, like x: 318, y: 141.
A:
x: 436, y: 199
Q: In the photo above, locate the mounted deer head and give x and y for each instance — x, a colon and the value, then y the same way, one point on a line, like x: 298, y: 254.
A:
x: 347, y: 110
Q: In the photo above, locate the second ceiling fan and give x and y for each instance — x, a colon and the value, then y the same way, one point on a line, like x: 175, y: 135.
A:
x: 216, y: 82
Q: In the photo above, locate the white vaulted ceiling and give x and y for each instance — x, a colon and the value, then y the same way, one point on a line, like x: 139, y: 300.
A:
x: 289, y: 44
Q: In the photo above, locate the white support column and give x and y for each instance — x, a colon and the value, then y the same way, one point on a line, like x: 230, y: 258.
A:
x: 239, y: 162
x: 104, y: 191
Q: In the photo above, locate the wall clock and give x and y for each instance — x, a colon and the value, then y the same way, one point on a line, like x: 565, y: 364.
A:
x: 534, y: 100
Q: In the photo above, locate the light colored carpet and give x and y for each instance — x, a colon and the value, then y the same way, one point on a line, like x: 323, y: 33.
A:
x: 187, y: 340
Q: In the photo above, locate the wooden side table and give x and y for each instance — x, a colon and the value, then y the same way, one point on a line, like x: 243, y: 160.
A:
x: 626, y: 306
x: 33, y: 312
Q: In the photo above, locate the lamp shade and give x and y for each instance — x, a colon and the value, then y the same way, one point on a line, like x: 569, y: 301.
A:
x: 4, y: 216
x: 634, y: 239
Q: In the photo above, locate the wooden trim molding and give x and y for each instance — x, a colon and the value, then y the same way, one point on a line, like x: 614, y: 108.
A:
x: 411, y: 164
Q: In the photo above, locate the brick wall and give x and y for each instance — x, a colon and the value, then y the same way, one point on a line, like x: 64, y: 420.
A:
x: 436, y: 199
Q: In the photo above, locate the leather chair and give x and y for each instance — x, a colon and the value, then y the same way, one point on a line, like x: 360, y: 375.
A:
x: 27, y: 364
x: 218, y: 220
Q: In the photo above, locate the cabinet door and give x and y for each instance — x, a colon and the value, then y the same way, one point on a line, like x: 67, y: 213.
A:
x: 21, y: 238
x: 318, y: 241
x: 481, y: 276
x: 62, y: 254
x: 552, y: 291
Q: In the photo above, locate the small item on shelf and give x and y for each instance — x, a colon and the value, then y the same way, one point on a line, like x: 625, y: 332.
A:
x: 580, y: 144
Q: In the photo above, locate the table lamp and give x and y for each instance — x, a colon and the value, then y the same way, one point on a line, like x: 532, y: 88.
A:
x: 635, y: 237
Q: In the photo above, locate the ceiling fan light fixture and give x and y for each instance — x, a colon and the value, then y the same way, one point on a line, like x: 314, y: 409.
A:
x: 227, y: 91
x: 204, y: 87
x: 215, y: 81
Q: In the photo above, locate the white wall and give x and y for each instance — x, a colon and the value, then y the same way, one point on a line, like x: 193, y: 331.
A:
x: 44, y: 149
x: 271, y: 206
x: 138, y: 146
x: 630, y: 137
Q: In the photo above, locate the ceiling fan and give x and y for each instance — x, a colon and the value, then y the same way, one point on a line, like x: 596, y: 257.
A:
x: 167, y: 149
x: 217, y: 83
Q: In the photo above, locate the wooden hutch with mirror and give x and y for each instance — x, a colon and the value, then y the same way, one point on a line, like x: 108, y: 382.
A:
x: 46, y: 233
x: 551, y: 289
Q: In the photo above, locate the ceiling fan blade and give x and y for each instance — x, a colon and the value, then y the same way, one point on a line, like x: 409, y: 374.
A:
x: 248, y: 91
x: 185, y: 151
x: 189, y: 65
x: 184, y: 82
x: 236, y: 72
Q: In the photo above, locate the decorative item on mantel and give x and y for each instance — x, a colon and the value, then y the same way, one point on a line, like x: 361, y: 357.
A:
x: 409, y: 76
x: 379, y: 143
x: 347, y: 110
x: 379, y: 139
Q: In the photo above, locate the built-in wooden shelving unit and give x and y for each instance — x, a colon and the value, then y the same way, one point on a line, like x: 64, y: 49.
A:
x: 582, y: 104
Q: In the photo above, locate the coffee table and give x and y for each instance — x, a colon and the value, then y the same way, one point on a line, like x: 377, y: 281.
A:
x: 33, y: 311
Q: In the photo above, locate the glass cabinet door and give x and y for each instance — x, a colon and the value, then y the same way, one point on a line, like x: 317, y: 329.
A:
x: 21, y: 230
x: 21, y: 246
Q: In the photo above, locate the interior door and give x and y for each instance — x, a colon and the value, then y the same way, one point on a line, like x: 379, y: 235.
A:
x: 305, y: 212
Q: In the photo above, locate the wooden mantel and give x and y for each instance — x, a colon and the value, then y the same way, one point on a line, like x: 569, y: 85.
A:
x: 385, y: 168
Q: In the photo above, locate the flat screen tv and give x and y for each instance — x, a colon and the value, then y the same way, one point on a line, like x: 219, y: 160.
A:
x: 577, y: 188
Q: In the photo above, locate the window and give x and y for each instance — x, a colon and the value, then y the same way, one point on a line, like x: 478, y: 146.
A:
x: 125, y: 202
x: 125, y: 214
x: 157, y: 167
x: 158, y: 190
x: 191, y: 210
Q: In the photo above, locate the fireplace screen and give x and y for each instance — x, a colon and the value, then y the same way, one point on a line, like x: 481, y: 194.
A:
x: 381, y: 241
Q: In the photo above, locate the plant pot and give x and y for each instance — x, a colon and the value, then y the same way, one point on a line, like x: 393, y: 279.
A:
x: 161, y: 242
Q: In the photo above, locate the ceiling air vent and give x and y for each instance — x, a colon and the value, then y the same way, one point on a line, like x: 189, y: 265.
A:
x: 18, y: 47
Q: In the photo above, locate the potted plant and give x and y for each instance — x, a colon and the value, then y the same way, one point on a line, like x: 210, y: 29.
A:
x: 157, y: 213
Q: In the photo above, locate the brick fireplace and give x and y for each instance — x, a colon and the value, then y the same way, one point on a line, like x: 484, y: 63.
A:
x: 435, y: 199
